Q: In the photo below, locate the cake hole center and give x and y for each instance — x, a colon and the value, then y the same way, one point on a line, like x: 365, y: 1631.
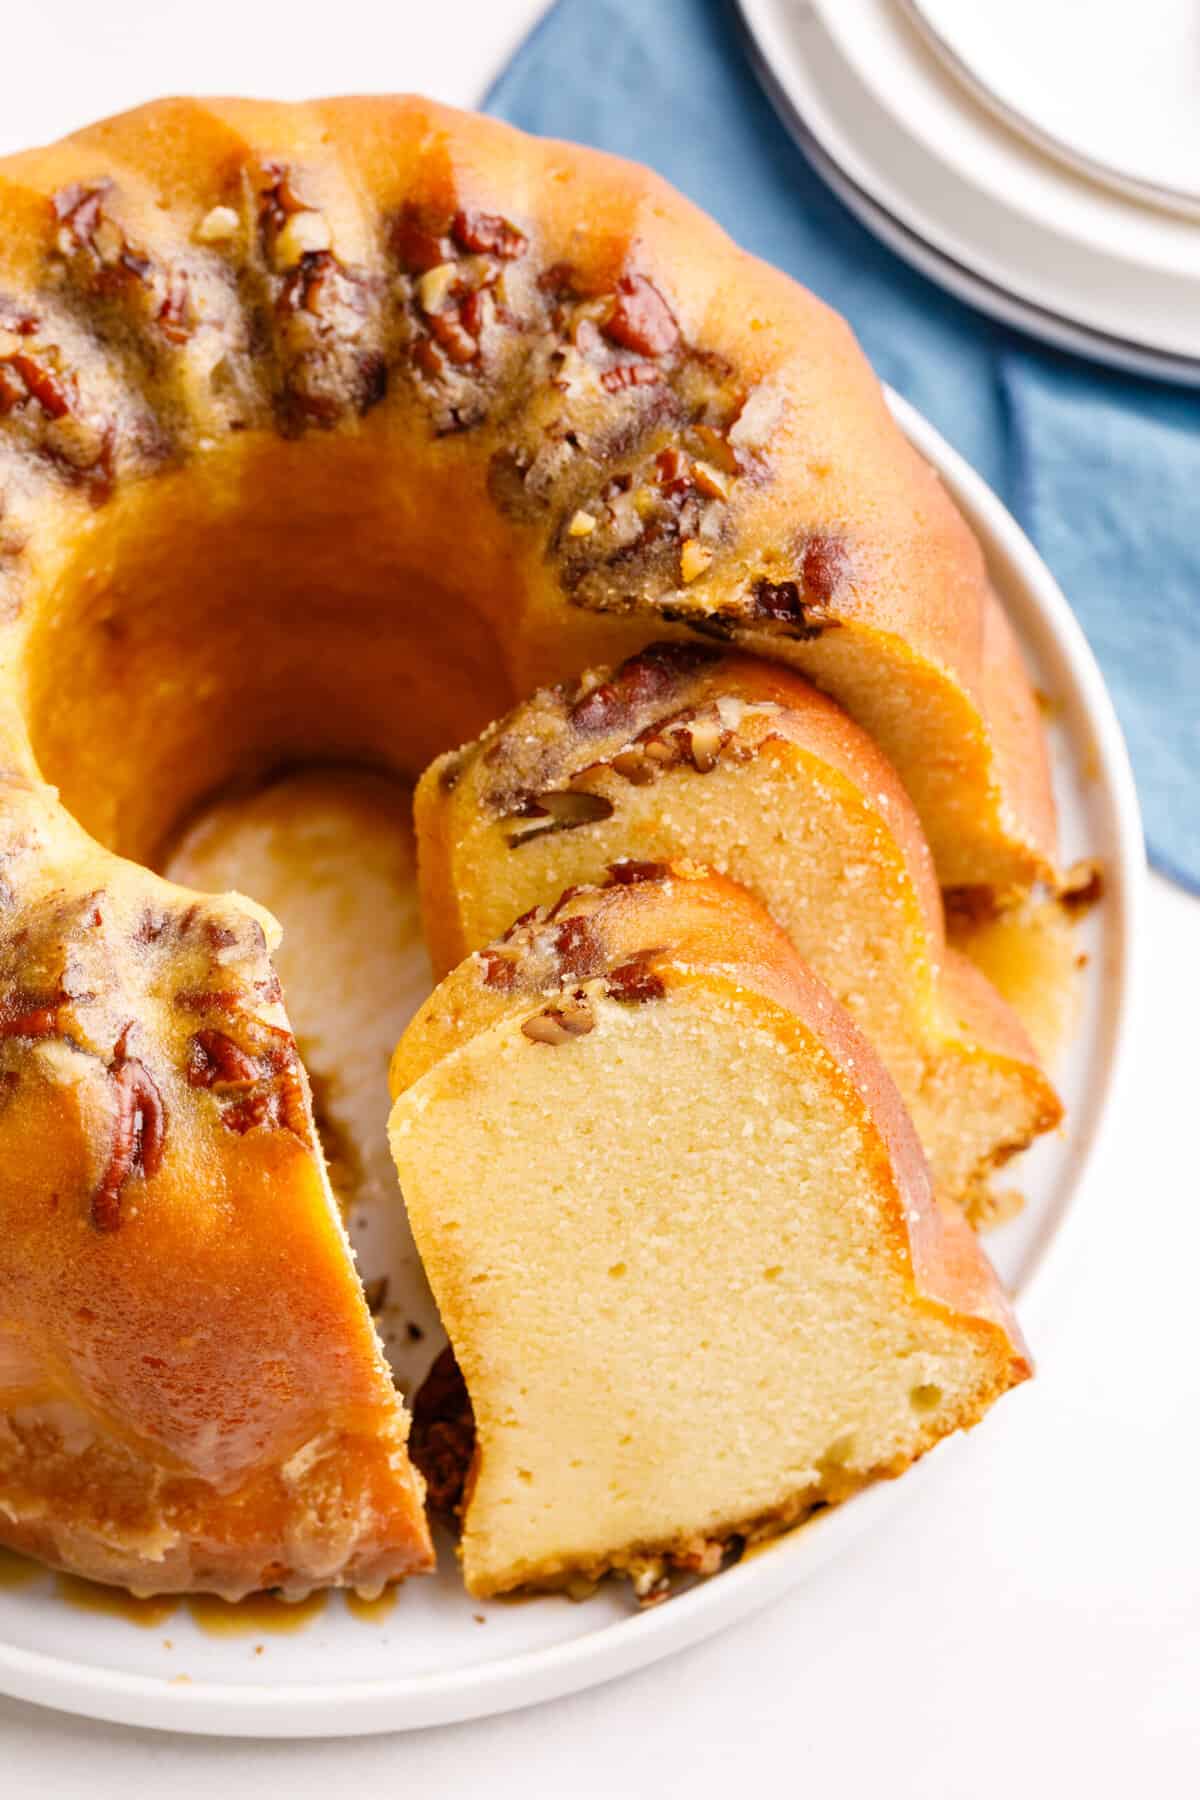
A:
x: 330, y: 851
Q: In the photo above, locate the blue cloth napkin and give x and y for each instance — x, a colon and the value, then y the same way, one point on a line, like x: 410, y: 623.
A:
x: 1102, y: 470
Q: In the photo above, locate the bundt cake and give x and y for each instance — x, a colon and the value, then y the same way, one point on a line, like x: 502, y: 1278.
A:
x: 326, y: 431
x: 681, y: 1234
x: 694, y: 751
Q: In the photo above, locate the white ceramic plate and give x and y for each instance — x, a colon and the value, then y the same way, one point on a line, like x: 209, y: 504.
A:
x: 968, y: 202
x: 439, y: 1656
x: 1128, y: 112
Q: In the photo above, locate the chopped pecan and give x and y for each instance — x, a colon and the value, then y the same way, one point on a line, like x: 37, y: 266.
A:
x: 639, y: 681
x: 640, y: 319
x: 489, y: 235
x: 630, y: 375
x: 279, y: 1106
x: 561, y: 810
x: 706, y: 739
x: 635, y: 982
x: 453, y: 337
x: 673, y: 470
x: 175, y: 315
x: 215, y: 1061
x: 554, y: 1025
x: 822, y: 566
x: 578, y: 949
x: 499, y: 971
x: 627, y: 872
x: 782, y: 602
x: 603, y: 707
x: 78, y: 210
x: 694, y: 559
x: 139, y: 1132
x: 28, y: 1016
x: 248, y: 1114
x: 38, y: 382
x: 417, y: 244
x: 17, y: 319
x: 442, y: 1439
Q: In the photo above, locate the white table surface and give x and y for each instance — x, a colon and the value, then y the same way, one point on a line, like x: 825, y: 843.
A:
x: 1033, y: 1624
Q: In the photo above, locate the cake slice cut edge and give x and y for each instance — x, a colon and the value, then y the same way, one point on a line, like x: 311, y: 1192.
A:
x: 682, y: 1237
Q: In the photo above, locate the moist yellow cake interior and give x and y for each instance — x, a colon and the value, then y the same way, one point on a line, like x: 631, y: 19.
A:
x: 661, y: 1256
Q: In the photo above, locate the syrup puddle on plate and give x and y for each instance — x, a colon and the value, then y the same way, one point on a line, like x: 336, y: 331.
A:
x: 17, y: 1571
x: 258, y: 1615
x: 115, y: 1603
x: 373, y: 1612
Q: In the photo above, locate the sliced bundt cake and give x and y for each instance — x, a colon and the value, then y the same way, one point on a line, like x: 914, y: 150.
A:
x: 681, y: 1234
x: 693, y: 751
x: 325, y: 432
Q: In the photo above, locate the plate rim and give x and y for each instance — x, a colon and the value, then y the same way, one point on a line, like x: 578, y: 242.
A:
x: 999, y: 161
x: 361, y: 1708
x: 921, y: 244
x: 1179, y: 202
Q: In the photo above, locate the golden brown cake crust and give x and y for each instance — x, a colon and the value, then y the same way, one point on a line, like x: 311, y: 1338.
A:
x: 648, y: 429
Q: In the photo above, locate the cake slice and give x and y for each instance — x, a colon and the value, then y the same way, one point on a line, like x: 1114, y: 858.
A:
x: 690, y: 751
x: 681, y: 1234
x: 193, y: 1397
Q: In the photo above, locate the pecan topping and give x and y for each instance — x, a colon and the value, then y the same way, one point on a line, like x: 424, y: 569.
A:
x: 86, y: 231
x: 24, y: 1015
x: 640, y: 319
x: 37, y: 382
x: 77, y: 208
x: 556, y: 1025
x: 823, y: 566
x: 579, y: 950
x: 278, y: 201
x: 499, y: 971
x: 597, y: 711
x: 81, y: 447
x: 673, y: 471
x: 822, y: 569
x: 639, y: 681
x: 635, y: 982
x: 416, y: 245
x: 139, y: 1132
x: 782, y: 602
x: 215, y: 1061
x: 564, y: 810
x: 175, y: 315
x: 489, y: 235
x: 628, y: 872
x: 279, y: 1106
x: 630, y: 375
x: 442, y: 1439
x: 16, y: 320
x: 453, y: 337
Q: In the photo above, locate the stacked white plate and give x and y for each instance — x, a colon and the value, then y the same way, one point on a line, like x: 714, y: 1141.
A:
x: 1039, y: 158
